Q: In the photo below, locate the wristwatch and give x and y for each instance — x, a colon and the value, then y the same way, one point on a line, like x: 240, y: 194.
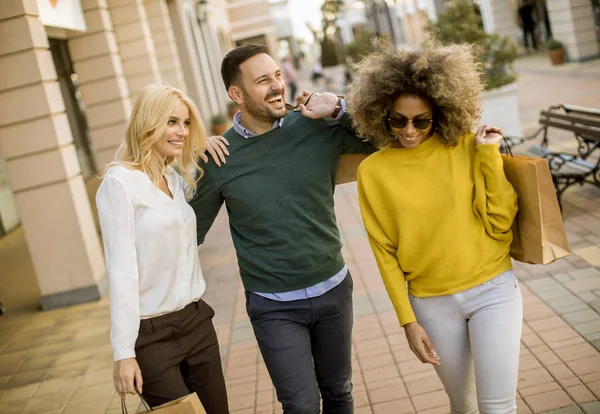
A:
x: 337, y: 108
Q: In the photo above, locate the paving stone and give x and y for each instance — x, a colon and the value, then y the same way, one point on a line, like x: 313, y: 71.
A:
x: 584, y: 285
x: 563, y: 343
x: 13, y: 407
x: 566, y: 410
x: 537, y: 311
x: 588, y: 296
x: 591, y: 407
x: 580, y: 351
x: 594, y: 261
x: 585, y: 366
x: 585, y: 273
x: 589, y: 327
x: 567, y: 304
x: 547, y: 401
x: 400, y: 406
x: 588, y: 253
x: 563, y: 277
x: 586, y: 315
x: 242, y: 335
x: 559, y: 334
x: 560, y: 371
x: 389, y: 393
x: 430, y: 400
x: 554, y: 292
x: 545, y: 282
x: 547, y: 324
x: 362, y: 309
x: 580, y: 394
x: 18, y: 393
x: 522, y: 408
x: 595, y: 305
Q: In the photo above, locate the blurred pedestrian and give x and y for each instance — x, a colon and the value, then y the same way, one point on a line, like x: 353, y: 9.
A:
x: 278, y: 188
x: 438, y: 211
x: 527, y: 20
x: 317, y: 73
x: 163, y: 339
x: 544, y: 7
x: 290, y: 76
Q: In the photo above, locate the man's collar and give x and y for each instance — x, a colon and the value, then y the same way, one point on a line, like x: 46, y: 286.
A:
x: 246, y: 133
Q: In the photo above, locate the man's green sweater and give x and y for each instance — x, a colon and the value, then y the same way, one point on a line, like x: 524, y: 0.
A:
x: 278, y: 188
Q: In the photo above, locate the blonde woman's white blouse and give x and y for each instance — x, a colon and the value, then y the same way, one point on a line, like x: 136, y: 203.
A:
x: 150, y: 245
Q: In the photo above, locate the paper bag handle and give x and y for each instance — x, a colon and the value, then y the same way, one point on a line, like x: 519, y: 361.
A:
x: 507, y: 146
x: 146, y: 405
x: 290, y: 107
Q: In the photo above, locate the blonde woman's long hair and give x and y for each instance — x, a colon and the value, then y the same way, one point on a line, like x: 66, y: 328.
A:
x: 148, y: 121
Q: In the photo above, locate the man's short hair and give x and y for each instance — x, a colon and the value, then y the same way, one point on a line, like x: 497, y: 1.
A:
x: 230, y: 67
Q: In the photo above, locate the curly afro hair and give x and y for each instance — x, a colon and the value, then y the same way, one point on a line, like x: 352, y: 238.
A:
x: 446, y: 76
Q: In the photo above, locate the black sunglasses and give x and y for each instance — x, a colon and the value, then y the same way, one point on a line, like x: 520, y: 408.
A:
x: 401, y: 122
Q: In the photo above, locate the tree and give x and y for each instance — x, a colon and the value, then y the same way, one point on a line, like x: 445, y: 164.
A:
x: 331, y: 48
x: 460, y: 23
x: 361, y: 47
x: 331, y: 10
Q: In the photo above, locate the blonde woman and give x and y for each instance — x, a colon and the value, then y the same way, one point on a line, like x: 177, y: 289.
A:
x: 438, y: 211
x: 163, y: 338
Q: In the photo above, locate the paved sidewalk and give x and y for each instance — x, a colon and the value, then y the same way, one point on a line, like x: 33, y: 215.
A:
x: 60, y: 362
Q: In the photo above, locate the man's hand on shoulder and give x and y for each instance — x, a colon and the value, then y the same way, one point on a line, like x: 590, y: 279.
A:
x: 316, y: 105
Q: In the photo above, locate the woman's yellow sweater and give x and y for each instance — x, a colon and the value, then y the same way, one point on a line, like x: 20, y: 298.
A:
x: 438, y: 218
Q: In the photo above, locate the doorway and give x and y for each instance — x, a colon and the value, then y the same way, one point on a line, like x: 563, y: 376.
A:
x: 74, y: 107
x: 9, y: 218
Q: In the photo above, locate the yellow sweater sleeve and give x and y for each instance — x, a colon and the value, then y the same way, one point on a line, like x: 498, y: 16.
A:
x: 495, y: 201
x: 384, y: 251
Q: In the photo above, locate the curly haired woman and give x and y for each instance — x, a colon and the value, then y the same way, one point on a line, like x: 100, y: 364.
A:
x: 438, y: 210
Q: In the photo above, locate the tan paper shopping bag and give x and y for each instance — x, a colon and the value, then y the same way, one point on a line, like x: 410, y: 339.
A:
x: 190, y: 404
x: 538, y: 231
x: 347, y: 167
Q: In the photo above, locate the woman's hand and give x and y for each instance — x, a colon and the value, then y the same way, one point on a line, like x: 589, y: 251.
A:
x: 127, y: 376
x: 216, y: 146
x: 420, y: 344
x: 488, y: 135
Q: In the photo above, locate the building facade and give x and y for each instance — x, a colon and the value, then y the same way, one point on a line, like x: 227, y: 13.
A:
x: 576, y: 23
x: 69, y: 71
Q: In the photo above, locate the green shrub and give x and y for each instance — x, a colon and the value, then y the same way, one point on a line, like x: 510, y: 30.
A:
x: 331, y: 53
x: 361, y: 47
x: 461, y: 24
x: 553, y: 44
x: 218, y: 119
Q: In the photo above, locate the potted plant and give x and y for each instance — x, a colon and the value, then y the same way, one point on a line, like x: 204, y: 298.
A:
x: 556, y: 51
x: 459, y: 23
x: 232, y: 109
x: 218, y: 124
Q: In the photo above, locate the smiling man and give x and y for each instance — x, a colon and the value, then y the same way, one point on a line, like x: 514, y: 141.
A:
x: 278, y: 187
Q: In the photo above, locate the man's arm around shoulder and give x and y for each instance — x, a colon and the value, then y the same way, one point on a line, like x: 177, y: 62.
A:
x: 207, y: 201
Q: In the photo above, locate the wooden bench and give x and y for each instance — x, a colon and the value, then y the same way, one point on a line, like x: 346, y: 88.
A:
x: 569, y: 168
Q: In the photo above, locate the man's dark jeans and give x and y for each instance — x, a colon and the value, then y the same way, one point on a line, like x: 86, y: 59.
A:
x: 306, y: 345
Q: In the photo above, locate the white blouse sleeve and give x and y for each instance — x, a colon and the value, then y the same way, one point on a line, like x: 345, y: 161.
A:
x: 117, y: 222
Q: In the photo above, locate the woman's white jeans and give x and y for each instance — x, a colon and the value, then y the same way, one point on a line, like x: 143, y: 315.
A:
x: 477, y: 334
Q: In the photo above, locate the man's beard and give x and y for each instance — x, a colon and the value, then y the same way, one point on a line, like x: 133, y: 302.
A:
x: 261, y: 111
